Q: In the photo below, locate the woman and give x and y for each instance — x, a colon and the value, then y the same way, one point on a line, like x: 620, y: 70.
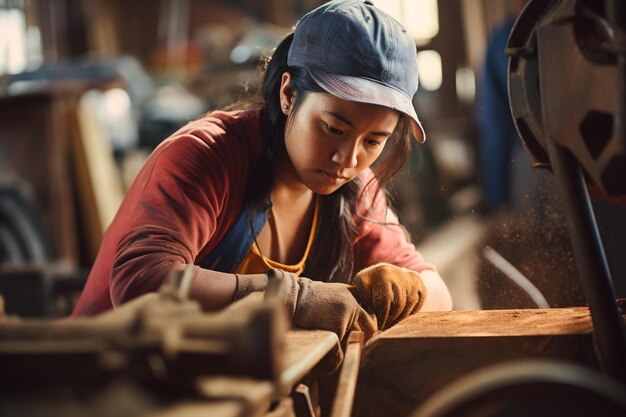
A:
x: 286, y: 188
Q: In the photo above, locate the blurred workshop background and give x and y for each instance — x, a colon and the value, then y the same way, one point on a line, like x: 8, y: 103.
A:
x: 88, y: 88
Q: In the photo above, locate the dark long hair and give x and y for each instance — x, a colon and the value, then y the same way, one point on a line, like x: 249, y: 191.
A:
x: 334, y: 259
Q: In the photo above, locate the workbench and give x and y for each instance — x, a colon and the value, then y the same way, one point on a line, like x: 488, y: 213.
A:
x: 404, y: 365
x: 241, y: 397
x: 159, y: 355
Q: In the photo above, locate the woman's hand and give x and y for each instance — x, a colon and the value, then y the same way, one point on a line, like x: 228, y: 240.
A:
x: 391, y: 292
x: 315, y: 305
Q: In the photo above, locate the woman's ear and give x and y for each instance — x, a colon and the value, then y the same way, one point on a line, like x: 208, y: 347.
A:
x: 286, y: 93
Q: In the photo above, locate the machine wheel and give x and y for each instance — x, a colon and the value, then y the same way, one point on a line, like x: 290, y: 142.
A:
x: 537, y: 388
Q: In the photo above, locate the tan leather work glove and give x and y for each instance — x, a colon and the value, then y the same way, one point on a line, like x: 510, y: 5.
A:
x: 315, y: 305
x: 391, y: 292
x: 249, y: 283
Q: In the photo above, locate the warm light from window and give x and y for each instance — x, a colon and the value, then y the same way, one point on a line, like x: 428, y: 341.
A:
x: 465, y: 85
x: 430, y: 72
x: 420, y: 17
x: 12, y: 42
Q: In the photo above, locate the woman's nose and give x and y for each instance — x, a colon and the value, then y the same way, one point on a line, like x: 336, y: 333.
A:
x: 346, y: 154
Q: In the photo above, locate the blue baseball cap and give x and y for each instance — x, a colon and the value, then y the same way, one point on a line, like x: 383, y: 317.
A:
x: 357, y: 52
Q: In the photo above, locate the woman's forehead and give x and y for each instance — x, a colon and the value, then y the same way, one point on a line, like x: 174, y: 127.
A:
x: 328, y: 104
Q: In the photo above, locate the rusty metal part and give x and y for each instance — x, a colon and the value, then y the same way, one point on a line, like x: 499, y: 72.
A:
x: 214, y: 395
x: 574, y: 93
x: 567, y: 91
x: 159, y: 356
x: 158, y: 337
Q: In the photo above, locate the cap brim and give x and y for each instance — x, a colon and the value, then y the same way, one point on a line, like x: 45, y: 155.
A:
x: 363, y: 90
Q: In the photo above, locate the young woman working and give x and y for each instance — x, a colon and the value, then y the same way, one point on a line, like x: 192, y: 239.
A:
x: 286, y: 187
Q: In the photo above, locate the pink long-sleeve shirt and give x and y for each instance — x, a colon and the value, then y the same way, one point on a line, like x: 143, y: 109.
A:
x: 186, y: 198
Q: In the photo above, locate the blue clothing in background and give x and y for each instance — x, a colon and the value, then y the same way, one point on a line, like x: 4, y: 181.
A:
x: 498, y: 136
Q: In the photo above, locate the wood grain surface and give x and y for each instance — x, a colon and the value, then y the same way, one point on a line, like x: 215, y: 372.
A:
x: 526, y: 322
x: 404, y: 365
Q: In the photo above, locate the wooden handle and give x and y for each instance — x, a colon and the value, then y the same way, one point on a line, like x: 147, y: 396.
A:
x: 346, y: 387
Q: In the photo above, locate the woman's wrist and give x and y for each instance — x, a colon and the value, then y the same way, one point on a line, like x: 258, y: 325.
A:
x: 438, y: 296
x: 212, y: 289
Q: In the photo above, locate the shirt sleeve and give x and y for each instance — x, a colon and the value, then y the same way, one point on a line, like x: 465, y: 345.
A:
x: 380, y: 236
x: 173, y: 207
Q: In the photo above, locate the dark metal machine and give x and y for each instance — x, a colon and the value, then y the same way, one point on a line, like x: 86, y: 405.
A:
x: 567, y: 75
x: 159, y: 355
x: 567, y: 93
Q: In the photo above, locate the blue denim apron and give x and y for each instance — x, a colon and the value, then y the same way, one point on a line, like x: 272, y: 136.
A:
x: 234, y: 247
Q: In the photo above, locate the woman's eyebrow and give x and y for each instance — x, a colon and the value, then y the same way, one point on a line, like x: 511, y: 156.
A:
x: 349, y: 123
x: 340, y: 117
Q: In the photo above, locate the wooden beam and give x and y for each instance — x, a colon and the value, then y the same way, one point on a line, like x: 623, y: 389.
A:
x: 344, y: 395
x: 404, y: 365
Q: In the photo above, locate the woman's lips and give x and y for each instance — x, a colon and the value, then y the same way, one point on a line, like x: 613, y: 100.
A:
x: 332, y: 177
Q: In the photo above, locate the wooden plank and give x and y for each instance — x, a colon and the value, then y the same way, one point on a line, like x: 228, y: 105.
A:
x: 404, y: 365
x: 304, y: 350
x: 65, y: 228
x: 38, y: 125
x: 230, y: 408
x: 234, y: 396
x: 344, y: 396
x: 521, y: 322
x: 34, y: 146
x: 99, y: 181
x: 238, y: 397
x: 302, y: 404
x: 102, y: 27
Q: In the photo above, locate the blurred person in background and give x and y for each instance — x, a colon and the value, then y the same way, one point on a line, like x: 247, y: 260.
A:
x: 498, y: 137
x: 527, y: 224
x: 506, y: 177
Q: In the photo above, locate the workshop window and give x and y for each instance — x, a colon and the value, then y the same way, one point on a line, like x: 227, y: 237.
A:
x: 430, y: 72
x: 420, y: 17
x: 20, y: 43
x: 465, y: 85
x: 12, y: 42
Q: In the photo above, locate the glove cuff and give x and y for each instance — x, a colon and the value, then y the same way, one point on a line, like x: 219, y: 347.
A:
x: 249, y: 283
x: 292, y: 287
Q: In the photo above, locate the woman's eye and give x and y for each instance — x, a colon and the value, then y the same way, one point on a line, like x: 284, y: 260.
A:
x: 372, y: 142
x: 333, y: 130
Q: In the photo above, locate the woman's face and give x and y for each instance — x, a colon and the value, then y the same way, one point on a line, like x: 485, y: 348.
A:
x: 330, y: 141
